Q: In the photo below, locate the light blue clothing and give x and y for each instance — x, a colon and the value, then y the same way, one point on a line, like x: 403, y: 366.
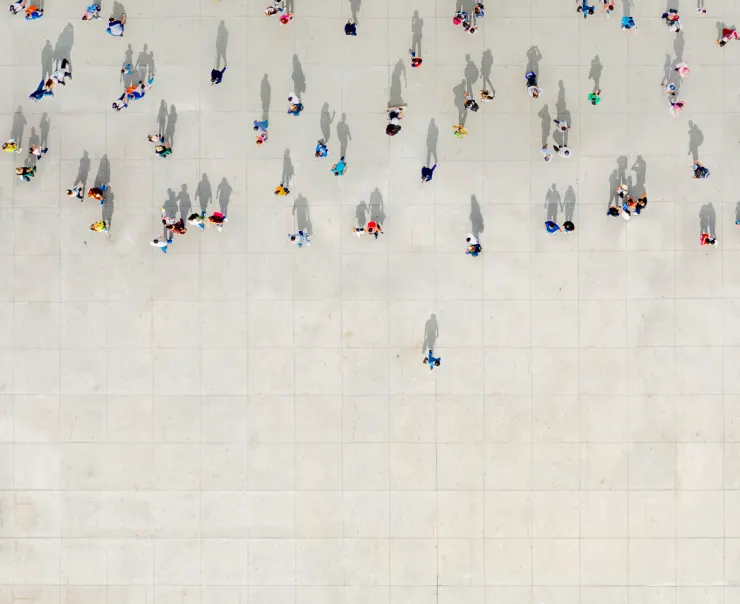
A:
x: 115, y: 28
x: 628, y: 22
x: 340, y: 167
x: 321, y: 150
x: 261, y: 126
x: 432, y: 360
x: 301, y: 238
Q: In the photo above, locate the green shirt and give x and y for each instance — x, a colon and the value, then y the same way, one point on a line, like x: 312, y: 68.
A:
x: 594, y: 98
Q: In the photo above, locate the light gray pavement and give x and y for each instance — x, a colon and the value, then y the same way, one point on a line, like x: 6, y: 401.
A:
x: 244, y: 421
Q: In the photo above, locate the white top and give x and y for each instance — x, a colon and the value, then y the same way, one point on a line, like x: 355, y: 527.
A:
x: 472, y: 240
x: 158, y: 243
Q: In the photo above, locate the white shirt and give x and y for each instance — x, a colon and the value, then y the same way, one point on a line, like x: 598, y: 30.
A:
x: 158, y: 243
x: 472, y: 240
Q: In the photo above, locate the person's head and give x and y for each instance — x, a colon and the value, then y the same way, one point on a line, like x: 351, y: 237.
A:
x: 19, y: 171
x: 110, y: 19
x: 722, y: 42
x: 613, y: 211
x: 579, y: 9
x: 292, y: 237
x: 536, y: 93
x: 569, y: 226
x: 159, y: 148
x: 436, y: 362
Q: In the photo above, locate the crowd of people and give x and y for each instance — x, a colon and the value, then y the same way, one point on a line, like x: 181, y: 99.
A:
x: 623, y: 203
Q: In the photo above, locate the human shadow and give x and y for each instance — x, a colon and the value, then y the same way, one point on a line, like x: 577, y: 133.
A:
x: 534, y: 56
x: 486, y: 65
x: 417, y: 27
x: 170, y: 204
x: 299, y: 78
x: 459, y: 95
x: 431, y: 333
x: 464, y: 5
x: 678, y: 46
x: 361, y: 214
x: 302, y: 214
x: 613, y: 184
x: 325, y: 122
x: 552, y: 203
x: 63, y: 47
x: 595, y: 72
x: 696, y: 138
x: 343, y: 134
x: 737, y: 213
x: 627, y: 7
x: 44, y: 127
x: 144, y: 68
x: 19, y: 125
x: 265, y: 96
x: 184, y: 202
x: 432, y: 141
x: 109, y: 207
x: 477, y: 225
x: 133, y: 77
x: 621, y: 170
x: 667, y: 68
x: 289, y: 6
x: 47, y: 60
x: 563, y: 115
x: 118, y: 10
x: 640, y: 170
x: 376, y: 207
x: 33, y: 140
x: 223, y: 195
x: 569, y: 203
x: 396, y: 98
x: 103, y: 175
x: 708, y: 220
x: 162, y: 118
x: 545, y: 124
x: 471, y: 75
x: 288, y: 170
x: 222, y: 40
x: 169, y: 133
x: 83, y: 171
x: 354, y: 7
x: 204, y: 193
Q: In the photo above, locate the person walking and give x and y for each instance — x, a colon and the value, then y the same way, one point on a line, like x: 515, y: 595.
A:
x: 33, y: 13
x: 707, y: 239
x: 350, y: 28
x: 296, y: 106
x: 546, y: 153
x: 101, y: 226
x: 628, y: 23
x: 218, y: 219
x: 116, y: 26
x: 552, y: 227
x: 163, y: 150
x: 217, y: 75
x: 301, y: 238
x: 677, y: 107
x: 562, y: 150
x: 281, y: 190
x: 321, y: 149
x: 470, y: 103
x: 161, y: 243
x: 45, y: 88
x: 641, y: 204
x: 37, y: 151
x: 486, y: 96
x: 728, y: 33
x: 431, y: 360
x: 25, y: 173
x: 532, y: 88
x: 561, y: 125
x: 568, y: 226
x: 699, y: 170
x: 76, y: 192
x: 474, y: 247
x: 11, y: 146
x: 91, y: 12
x: 340, y: 167
x: 371, y: 228
x: 459, y: 131
x: 17, y: 7
x: 198, y: 220
x: 594, y: 97
x: 585, y: 9
x: 682, y: 69
x: 61, y: 74
x: 415, y: 60
x: 427, y: 173
x: 98, y: 193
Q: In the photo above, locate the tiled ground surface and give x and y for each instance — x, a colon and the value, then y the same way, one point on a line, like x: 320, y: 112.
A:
x: 244, y: 421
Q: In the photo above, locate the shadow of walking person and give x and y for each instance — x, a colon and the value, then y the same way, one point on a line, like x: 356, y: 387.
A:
x: 552, y: 203
x: 431, y: 333
x: 708, y: 220
x: 696, y: 138
x: 343, y: 134
x: 432, y: 140
x: 223, y: 196
x: 222, y: 40
x: 298, y: 77
x: 288, y: 170
x: 376, y: 207
x: 265, y: 96
x: 302, y: 214
x: 569, y: 203
x: 417, y: 27
x: 204, y: 194
x: 476, y: 217
x: 395, y: 98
